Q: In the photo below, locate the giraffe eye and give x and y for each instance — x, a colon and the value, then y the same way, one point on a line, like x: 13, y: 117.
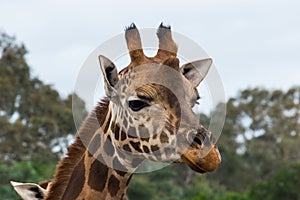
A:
x: 137, y: 105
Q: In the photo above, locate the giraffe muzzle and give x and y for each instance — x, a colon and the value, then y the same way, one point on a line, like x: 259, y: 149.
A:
x: 206, y: 164
x: 202, y: 155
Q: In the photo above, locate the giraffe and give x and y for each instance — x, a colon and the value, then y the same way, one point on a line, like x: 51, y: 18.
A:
x: 140, y: 118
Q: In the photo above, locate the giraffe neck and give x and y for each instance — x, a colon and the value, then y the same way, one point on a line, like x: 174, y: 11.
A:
x: 95, y: 176
x: 100, y: 171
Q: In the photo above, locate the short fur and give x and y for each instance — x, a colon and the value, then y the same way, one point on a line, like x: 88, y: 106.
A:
x: 76, y: 150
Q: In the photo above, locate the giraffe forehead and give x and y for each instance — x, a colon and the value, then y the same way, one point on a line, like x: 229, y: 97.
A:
x: 155, y: 81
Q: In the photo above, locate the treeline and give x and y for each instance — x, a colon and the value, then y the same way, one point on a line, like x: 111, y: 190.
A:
x: 35, y: 120
x: 259, y: 144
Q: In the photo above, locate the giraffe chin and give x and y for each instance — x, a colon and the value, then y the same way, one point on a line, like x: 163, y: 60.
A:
x: 206, y: 164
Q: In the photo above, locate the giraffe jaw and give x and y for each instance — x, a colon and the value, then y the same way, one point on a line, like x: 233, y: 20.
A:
x: 205, y: 164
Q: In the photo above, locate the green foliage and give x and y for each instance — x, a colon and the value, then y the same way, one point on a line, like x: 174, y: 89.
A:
x: 33, y: 120
x: 233, y: 196
x: 140, y: 187
x: 198, y: 189
x: 32, y: 114
x: 261, y: 133
x: 158, y: 185
x: 285, y: 184
x: 24, y: 172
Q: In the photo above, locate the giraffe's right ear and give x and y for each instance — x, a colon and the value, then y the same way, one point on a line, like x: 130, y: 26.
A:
x: 29, y: 191
x: 110, y: 75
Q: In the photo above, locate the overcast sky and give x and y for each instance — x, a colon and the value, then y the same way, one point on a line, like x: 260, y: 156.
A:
x: 253, y: 43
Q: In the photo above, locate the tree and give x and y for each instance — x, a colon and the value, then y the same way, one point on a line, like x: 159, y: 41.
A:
x: 261, y: 132
x: 34, y: 115
x: 34, y: 120
x: 284, y: 184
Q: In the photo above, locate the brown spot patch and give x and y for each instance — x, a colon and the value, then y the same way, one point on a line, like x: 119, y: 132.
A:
x: 125, y: 123
x: 154, y: 148
x: 132, y: 132
x: 113, y: 126
x: 76, y: 181
x: 164, y: 138
x: 144, y: 133
x: 156, y: 152
x: 94, y: 145
x: 136, y: 146
x: 120, y: 169
x: 136, y: 161
x: 126, y: 148
x: 113, y: 185
x: 123, y: 135
x: 117, y: 132
x: 146, y: 149
x: 98, y: 175
x: 108, y: 147
x: 130, y: 120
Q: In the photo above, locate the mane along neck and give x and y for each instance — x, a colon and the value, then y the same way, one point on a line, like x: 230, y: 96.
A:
x: 77, y: 150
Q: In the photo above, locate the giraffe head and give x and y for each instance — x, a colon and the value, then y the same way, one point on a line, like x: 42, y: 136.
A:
x: 151, y: 105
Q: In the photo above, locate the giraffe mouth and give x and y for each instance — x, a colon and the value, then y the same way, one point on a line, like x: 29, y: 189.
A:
x: 202, y: 155
x: 205, y: 164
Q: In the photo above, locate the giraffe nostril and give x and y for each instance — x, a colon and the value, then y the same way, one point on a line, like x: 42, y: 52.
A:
x: 197, y: 140
x: 206, y: 136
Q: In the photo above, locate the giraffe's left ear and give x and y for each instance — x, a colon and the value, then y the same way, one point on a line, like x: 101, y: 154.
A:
x: 29, y: 191
x: 196, y: 71
x: 110, y: 75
